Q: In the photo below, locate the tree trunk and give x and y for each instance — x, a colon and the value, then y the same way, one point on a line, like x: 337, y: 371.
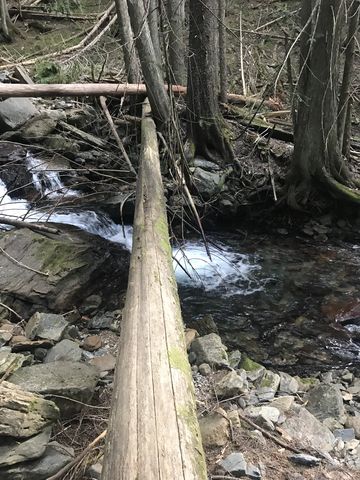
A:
x: 153, y: 430
x: 4, y: 16
x: 222, y: 51
x: 344, y: 108
x: 206, y: 127
x: 316, y: 146
x: 149, y: 62
x: 152, y: 10
x: 176, y: 26
x: 128, y: 44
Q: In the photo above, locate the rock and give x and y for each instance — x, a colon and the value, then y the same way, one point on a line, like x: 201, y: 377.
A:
x: 352, y: 444
x: 54, y: 458
x: 233, y: 416
x: 209, y: 349
x: 5, y: 337
x: 269, y: 414
x: 288, y: 384
x: 13, y: 451
x: 234, y: 358
x: 24, y: 414
x: 106, y: 321
x: 354, y: 388
x: 207, y: 183
x: 10, y: 360
x: 46, y: 325
x: 304, y: 459
x: 283, y: 404
x: 14, y: 112
x: 59, y: 143
x: 268, y: 385
x: 64, y: 350
x: 73, y: 259
x: 215, y: 429
x: 204, y: 325
x: 345, y: 434
x: 19, y: 343
x: 94, y: 472
x: 91, y: 304
x: 72, y: 380
x: 234, y: 464
x: 205, y: 164
x: 253, y: 472
x: 325, y: 401
x: 205, y: 369
x: 39, y: 127
x: 104, y: 363
x: 353, y: 422
x: 230, y: 385
x: 40, y: 354
x: 92, y: 343
x: 332, y: 424
x: 253, y: 370
x: 190, y: 335
x: 306, y: 429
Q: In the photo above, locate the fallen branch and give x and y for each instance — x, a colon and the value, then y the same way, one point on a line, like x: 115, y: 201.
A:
x: 116, y: 136
x: 12, y: 259
x: 48, y: 15
x: 11, y: 310
x: 60, y: 474
x: 32, y: 226
x: 87, y: 137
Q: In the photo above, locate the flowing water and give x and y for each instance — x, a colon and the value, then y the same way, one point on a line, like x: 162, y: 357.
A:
x: 285, y: 301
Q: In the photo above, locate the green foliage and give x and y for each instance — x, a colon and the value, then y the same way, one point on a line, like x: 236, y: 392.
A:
x: 48, y: 71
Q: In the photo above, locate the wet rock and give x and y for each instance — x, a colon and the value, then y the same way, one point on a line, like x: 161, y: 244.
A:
x: 14, y: 451
x: 215, y: 429
x: 234, y: 464
x: 64, y: 350
x: 72, y: 380
x: 304, y: 428
x: 106, y: 321
x: 288, y: 384
x: 92, y: 343
x: 325, y: 401
x: 345, y: 434
x: 46, y: 325
x: 304, y: 459
x: 234, y: 358
x: 230, y: 385
x: 55, y: 457
x: 73, y: 259
x: 24, y: 414
x: 14, y: 112
x: 210, y: 349
x: 253, y: 370
x: 353, y: 422
x: 104, y: 363
x: 267, y: 386
x: 269, y: 414
x: 205, y: 369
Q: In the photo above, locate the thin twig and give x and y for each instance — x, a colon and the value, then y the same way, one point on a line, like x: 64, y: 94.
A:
x: 45, y: 274
x: 11, y: 310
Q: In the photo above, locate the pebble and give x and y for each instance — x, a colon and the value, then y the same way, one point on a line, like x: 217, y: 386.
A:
x: 205, y: 369
x: 92, y: 343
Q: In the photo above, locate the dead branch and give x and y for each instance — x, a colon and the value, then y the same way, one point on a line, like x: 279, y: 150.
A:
x: 32, y: 226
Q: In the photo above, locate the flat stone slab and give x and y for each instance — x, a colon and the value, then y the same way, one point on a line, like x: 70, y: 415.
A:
x: 73, y: 380
x: 234, y: 464
x: 49, y: 326
x: 66, y: 350
x: 14, y: 451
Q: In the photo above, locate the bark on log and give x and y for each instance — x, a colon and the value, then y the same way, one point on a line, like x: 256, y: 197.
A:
x: 153, y: 430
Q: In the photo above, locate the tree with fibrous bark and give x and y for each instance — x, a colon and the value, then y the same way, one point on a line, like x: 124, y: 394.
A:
x: 175, y: 13
x: 318, y: 160
x: 7, y: 28
x: 206, y: 126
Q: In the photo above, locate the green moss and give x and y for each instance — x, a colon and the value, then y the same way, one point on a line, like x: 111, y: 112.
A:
x: 249, y: 365
x: 57, y: 256
x: 312, y: 381
x: 178, y: 359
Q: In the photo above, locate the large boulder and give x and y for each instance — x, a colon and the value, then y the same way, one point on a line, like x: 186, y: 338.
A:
x: 210, y: 349
x: 61, y: 381
x: 14, y: 112
x: 74, y: 263
x: 325, y: 401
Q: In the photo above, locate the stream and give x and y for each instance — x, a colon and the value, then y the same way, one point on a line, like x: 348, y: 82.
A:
x: 288, y: 302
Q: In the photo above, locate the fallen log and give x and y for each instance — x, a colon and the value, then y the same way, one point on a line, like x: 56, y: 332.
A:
x: 105, y: 89
x: 153, y: 430
x: 36, y: 227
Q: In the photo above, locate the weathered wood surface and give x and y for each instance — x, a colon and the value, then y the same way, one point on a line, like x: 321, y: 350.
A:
x: 153, y: 429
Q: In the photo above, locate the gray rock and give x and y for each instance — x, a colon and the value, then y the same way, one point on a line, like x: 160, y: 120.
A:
x: 60, y: 143
x: 345, y: 434
x: 14, y: 112
x: 283, y: 403
x: 40, y: 126
x: 325, y: 401
x: 22, y: 413
x: 91, y: 304
x: 306, y: 429
x: 207, y: 183
x: 230, y: 385
x: 268, y: 386
x: 234, y: 464
x: 304, y: 459
x: 95, y: 471
x: 205, y: 164
x: 106, y: 321
x: 215, y: 429
x: 72, y: 380
x: 254, y: 371
x: 205, y: 369
x: 354, y: 422
x: 288, y: 384
x: 10, y: 360
x: 355, y: 387
x: 253, y: 472
x: 46, y: 325
x: 270, y: 414
x: 209, y: 349
x: 54, y: 458
x: 15, y: 451
x: 73, y: 259
x: 64, y: 350
x: 234, y: 358
x: 332, y: 424
x: 104, y: 363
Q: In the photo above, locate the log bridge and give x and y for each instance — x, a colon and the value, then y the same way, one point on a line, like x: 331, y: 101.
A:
x: 153, y: 432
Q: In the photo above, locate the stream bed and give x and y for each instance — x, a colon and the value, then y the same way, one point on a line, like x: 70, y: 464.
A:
x: 286, y: 301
